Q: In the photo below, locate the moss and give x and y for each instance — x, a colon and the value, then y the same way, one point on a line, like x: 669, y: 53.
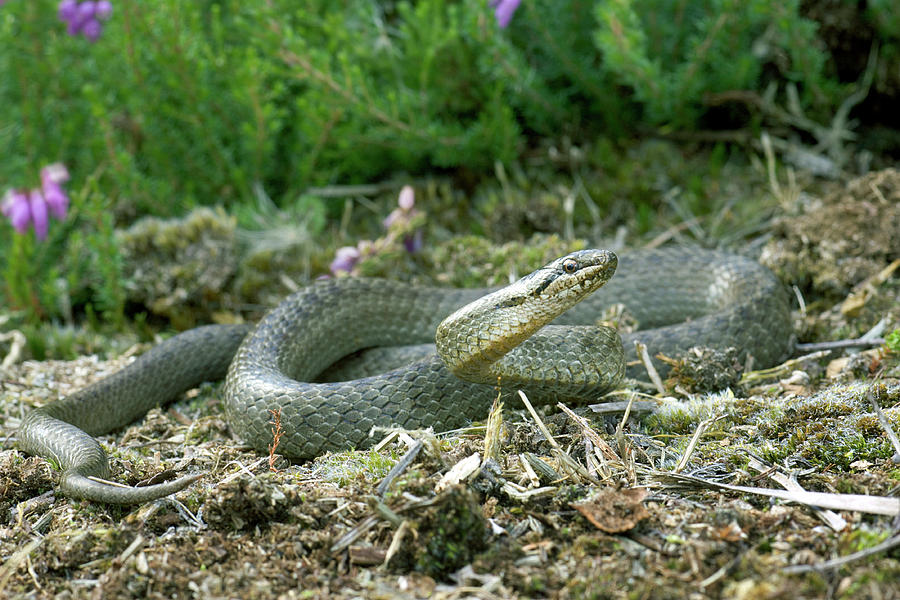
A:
x: 450, y: 533
x: 472, y: 261
x: 179, y: 268
x: 354, y: 466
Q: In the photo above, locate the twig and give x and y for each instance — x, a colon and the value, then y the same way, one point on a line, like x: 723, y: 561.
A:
x: 492, y: 430
x: 460, y: 471
x: 876, y: 505
x: 885, y: 424
x: 15, y: 348
x: 401, y: 532
x: 784, y: 368
x: 642, y: 353
x: 839, y: 344
x: 636, y: 406
x: 9, y: 567
x: 692, y: 445
x: 399, y: 468
x: 834, y: 563
x: 540, y: 423
x: 566, y: 462
x: 831, y: 518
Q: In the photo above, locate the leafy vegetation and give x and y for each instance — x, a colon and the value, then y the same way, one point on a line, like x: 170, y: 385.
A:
x: 182, y: 104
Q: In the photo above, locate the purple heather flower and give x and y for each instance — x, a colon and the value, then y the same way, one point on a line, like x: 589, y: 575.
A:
x: 103, y: 9
x: 413, y: 243
x: 56, y: 172
x: 36, y: 206
x: 407, y: 198
x: 504, y: 10
x: 68, y: 9
x: 16, y: 208
x: 405, y: 203
x: 92, y: 30
x: 402, y: 215
x: 86, y: 10
x: 345, y: 259
x: 84, y: 17
x: 52, y: 178
x: 38, y: 213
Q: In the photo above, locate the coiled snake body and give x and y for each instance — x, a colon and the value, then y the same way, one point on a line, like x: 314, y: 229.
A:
x: 682, y: 297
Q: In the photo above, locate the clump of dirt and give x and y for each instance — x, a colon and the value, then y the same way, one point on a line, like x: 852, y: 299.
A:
x: 840, y: 240
x: 701, y: 370
x: 21, y: 479
x: 450, y: 533
x: 247, y: 502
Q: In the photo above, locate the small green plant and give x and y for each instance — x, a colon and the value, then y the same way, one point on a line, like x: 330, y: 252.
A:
x: 892, y: 341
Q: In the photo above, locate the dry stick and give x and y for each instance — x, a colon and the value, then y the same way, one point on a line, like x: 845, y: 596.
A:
x: 831, y: 518
x: 834, y: 563
x: 876, y: 505
x: 692, y: 445
x: 637, y: 406
x: 886, y: 425
x: 9, y: 567
x: 862, y: 292
x: 567, y: 463
x: 277, y: 432
x: 493, y: 428
x: 625, y: 451
x: 15, y: 348
x: 642, y: 353
x: 840, y: 344
x: 398, y: 468
x: 395, y: 543
x: 351, y: 536
x: 595, y: 445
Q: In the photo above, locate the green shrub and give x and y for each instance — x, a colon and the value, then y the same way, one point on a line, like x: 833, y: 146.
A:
x: 185, y: 103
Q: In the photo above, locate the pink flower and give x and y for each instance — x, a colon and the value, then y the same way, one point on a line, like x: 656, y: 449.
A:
x: 36, y: 206
x: 52, y: 176
x: 406, y: 201
x: 407, y: 198
x: 38, y: 214
x: 103, y: 9
x: 68, y: 9
x: 85, y: 17
x: 16, y: 208
x: 504, y: 10
x: 345, y: 259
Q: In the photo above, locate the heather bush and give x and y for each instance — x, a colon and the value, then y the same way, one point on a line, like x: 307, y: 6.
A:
x: 156, y: 107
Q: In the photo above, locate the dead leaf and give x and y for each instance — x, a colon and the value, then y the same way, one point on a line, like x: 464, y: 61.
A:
x: 614, y: 511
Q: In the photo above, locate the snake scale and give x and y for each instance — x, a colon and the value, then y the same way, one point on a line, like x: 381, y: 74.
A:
x: 681, y: 297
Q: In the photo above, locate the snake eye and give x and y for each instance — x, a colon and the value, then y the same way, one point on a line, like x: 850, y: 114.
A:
x: 570, y: 265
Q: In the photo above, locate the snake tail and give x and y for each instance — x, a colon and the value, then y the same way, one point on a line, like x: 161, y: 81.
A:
x: 63, y: 431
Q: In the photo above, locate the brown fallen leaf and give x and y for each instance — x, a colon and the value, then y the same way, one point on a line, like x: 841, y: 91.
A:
x: 614, y: 511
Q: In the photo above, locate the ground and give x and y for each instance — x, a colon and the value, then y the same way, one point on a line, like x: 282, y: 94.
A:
x: 497, y: 510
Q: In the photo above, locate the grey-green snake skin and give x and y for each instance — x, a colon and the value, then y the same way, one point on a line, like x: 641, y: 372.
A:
x: 682, y: 297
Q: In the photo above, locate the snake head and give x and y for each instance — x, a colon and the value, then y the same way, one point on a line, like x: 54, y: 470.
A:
x: 480, y: 333
x: 571, y: 278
